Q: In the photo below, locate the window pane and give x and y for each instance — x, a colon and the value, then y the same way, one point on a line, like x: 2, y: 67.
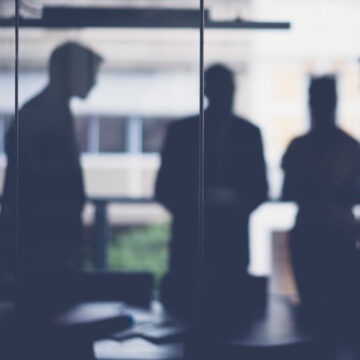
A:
x: 112, y: 134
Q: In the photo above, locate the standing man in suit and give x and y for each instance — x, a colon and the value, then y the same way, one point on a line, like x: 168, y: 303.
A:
x: 44, y: 195
x: 51, y: 192
x: 322, y: 175
x: 234, y: 185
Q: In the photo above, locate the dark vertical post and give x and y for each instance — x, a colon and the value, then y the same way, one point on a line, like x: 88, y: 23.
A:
x: 201, y: 169
x: 17, y: 126
x: 101, y: 234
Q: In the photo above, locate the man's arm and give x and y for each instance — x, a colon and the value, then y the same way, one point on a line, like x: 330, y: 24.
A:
x: 289, y: 189
x: 258, y: 180
x: 167, y: 179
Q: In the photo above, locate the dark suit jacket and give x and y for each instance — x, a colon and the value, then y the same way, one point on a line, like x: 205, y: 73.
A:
x: 50, y: 189
x: 236, y: 162
x: 322, y: 175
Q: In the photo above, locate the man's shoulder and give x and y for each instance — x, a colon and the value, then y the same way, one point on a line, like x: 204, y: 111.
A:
x: 311, y: 137
x: 297, y: 146
x: 186, y: 121
x: 34, y: 105
x: 301, y: 140
x: 245, y: 125
x: 191, y: 123
x: 349, y: 144
x: 184, y: 124
x: 308, y: 140
x: 347, y: 138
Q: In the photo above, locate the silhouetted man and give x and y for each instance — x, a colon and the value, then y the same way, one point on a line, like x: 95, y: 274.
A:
x: 234, y: 185
x: 322, y: 175
x: 50, y: 190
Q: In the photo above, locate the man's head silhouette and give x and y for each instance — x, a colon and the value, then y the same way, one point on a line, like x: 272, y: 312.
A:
x: 73, y: 69
x: 322, y: 100
x: 219, y: 87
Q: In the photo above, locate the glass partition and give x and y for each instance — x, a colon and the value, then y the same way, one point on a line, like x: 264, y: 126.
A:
x: 148, y: 158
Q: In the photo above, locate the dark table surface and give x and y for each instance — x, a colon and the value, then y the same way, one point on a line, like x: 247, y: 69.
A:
x: 277, y: 326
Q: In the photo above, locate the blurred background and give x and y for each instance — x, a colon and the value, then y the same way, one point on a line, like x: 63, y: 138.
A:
x: 150, y: 77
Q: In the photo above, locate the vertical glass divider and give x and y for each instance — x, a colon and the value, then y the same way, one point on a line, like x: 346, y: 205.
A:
x: 17, y: 126
x: 201, y: 168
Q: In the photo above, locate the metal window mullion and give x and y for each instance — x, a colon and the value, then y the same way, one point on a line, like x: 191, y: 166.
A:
x: 134, y: 142
x: 2, y: 133
x: 17, y: 127
x: 93, y: 134
x: 201, y: 170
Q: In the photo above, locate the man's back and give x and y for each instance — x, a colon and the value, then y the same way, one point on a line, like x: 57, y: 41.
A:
x: 50, y: 192
x: 51, y: 178
x: 322, y: 171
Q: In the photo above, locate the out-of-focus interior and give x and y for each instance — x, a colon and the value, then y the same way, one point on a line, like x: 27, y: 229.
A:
x: 150, y: 77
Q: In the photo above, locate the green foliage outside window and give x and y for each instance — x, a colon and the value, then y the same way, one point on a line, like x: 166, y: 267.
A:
x: 140, y: 249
